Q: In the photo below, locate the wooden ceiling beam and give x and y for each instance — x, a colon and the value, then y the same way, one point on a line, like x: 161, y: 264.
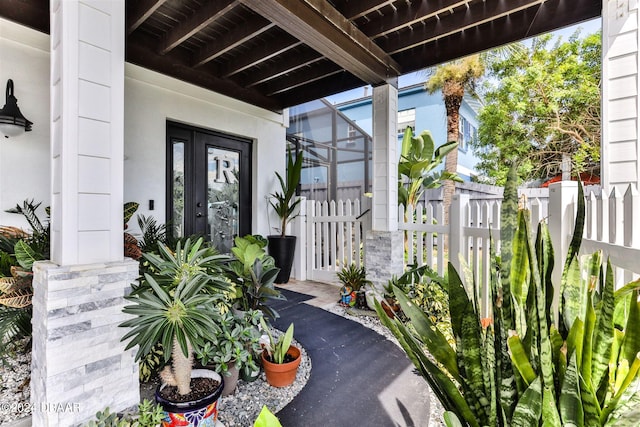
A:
x: 31, y: 13
x: 320, y: 88
x: 409, y: 14
x: 477, y: 14
x: 232, y: 39
x: 198, y: 20
x: 139, y: 11
x: 321, y: 27
x: 300, y: 78
x: 531, y: 22
x: 356, y: 9
x: 177, y: 63
x: 258, y: 55
x: 287, y: 63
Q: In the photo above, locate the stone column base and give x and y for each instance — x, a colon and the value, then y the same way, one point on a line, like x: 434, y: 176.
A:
x: 383, y: 256
x: 79, y: 365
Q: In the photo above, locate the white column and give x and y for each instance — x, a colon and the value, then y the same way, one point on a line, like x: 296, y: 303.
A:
x: 620, y: 162
x: 87, y: 116
x: 385, y: 158
x: 384, y: 243
x: 79, y: 365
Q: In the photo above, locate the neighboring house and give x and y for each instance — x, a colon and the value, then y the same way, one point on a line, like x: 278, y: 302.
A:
x: 336, y: 139
x: 337, y: 152
x: 423, y: 111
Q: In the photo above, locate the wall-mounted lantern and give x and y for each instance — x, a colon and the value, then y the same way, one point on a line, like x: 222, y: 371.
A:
x: 12, y: 122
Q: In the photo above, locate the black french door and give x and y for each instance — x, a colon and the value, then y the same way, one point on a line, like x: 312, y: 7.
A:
x: 209, y: 185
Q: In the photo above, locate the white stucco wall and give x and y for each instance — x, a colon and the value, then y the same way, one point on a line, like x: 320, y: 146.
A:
x: 24, y: 160
x: 150, y: 100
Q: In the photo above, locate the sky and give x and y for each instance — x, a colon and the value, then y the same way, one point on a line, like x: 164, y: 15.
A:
x: 587, y: 27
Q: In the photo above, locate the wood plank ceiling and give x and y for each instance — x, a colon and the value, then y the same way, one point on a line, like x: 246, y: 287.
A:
x: 279, y: 53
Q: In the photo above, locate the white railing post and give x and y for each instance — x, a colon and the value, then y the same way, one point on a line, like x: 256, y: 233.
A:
x: 300, y: 230
x: 456, y: 229
x: 631, y: 207
x: 562, y: 199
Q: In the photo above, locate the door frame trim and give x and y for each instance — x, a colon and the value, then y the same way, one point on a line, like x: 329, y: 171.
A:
x: 190, y: 162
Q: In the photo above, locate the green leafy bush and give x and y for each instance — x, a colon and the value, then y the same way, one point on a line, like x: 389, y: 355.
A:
x: 149, y: 415
x: 518, y: 367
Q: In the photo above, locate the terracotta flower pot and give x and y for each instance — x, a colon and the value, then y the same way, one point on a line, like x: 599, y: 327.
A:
x: 282, y: 374
x: 193, y: 413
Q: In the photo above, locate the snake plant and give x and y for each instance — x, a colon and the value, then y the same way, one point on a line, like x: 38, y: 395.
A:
x: 519, y: 367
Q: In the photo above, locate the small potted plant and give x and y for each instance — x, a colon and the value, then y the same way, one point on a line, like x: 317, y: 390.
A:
x: 280, y: 359
x: 235, y: 348
x: 353, y: 279
x: 282, y: 247
x: 175, y: 305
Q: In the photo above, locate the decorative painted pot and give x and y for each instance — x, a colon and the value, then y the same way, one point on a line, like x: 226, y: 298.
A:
x: 199, y: 413
x: 282, y: 374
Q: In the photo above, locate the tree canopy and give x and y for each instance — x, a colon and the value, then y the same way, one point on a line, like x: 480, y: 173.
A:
x: 542, y: 104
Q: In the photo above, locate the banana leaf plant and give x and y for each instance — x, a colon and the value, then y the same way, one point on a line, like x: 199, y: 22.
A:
x: 582, y: 371
x: 418, y: 160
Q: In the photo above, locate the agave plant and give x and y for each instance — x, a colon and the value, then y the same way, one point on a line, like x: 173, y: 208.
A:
x: 175, y: 305
x: 518, y: 367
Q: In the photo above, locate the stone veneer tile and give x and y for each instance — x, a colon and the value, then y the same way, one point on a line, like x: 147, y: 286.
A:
x: 72, y: 329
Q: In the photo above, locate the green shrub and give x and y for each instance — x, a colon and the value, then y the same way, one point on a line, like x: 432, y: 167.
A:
x: 581, y: 372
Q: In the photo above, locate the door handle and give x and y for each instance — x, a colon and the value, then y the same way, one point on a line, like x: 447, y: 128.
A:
x: 199, y: 215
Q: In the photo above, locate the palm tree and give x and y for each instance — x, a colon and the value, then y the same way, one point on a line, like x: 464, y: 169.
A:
x: 453, y: 79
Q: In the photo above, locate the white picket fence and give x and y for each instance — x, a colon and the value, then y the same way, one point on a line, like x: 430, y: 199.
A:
x: 334, y: 238
x: 335, y: 232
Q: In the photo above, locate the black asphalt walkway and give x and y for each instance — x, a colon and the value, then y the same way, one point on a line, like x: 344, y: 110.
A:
x: 358, y: 378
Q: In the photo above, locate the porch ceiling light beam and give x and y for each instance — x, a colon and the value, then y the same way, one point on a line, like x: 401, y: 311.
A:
x: 140, y: 12
x: 317, y: 24
x: 198, y: 20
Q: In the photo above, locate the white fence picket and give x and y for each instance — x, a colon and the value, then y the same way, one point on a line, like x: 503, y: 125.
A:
x: 335, y: 233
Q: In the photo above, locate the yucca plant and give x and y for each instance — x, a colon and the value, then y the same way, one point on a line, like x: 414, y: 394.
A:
x: 518, y: 368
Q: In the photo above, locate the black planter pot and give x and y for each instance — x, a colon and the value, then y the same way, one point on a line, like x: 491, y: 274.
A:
x: 282, y: 249
x: 197, y: 412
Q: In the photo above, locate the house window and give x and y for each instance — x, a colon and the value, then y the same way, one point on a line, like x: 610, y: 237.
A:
x: 406, y: 118
x: 466, y: 133
x: 351, y: 135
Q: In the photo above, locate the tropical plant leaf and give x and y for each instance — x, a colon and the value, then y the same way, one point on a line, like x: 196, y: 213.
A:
x: 603, y: 334
x: 631, y: 343
x: 529, y: 407
x: 571, y: 410
x: 26, y: 255
x: 429, y: 334
x: 129, y: 209
x: 20, y: 298
x: 574, y: 248
x: 7, y: 284
x: 520, y: 359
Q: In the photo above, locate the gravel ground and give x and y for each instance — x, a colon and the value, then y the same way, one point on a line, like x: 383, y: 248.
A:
x: 238, y: 409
